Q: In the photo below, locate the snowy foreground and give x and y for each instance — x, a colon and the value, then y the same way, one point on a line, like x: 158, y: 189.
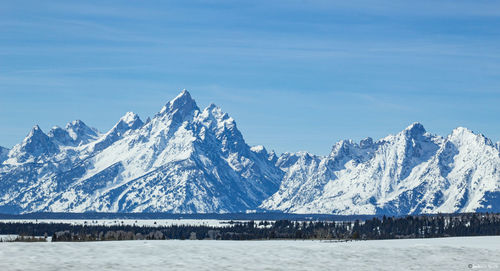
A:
x: 461, y: 253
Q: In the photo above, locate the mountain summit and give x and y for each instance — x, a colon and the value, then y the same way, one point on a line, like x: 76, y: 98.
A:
x: 183, y: 160
x: 188, y: 160
x: 411, y: 172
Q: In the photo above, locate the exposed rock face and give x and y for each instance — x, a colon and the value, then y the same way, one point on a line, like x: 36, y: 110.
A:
x: 188, y: 160
x: 183, y: 160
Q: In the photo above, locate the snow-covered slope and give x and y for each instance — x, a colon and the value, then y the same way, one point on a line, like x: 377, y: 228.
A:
x: 183, y: 160
x: 411, y: 172
x: 188, y: 160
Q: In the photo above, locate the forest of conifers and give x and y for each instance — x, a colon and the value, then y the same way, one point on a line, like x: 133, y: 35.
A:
x: 471, y: 224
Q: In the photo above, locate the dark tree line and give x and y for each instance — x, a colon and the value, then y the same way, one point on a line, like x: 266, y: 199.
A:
x: 473, y: 224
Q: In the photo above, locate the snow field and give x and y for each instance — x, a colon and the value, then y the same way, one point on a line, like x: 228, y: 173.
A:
x: 460, y: 253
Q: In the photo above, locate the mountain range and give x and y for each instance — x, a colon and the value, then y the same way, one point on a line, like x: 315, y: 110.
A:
x: 190, y: 160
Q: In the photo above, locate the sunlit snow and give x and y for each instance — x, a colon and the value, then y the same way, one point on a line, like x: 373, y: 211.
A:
x: 461, y: 253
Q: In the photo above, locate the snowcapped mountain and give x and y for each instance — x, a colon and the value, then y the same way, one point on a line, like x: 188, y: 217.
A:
x: 183, y: 160
x: 188, y: 160
x: 76, y: 133
x: 411, y: 172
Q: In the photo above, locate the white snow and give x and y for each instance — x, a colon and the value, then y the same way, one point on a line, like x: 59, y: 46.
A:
x: 461, y: 253
x: 411, y: 172
x: 8, y: 237
x: 182, y: 160
x: 187, y: 160
x: 130, y: 117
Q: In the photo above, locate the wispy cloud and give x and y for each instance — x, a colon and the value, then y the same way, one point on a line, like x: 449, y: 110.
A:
x: 286, y: 67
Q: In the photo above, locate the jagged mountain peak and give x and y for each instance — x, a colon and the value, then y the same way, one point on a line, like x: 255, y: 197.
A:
x: 462, y: 135
x: 129, y: 121
x: 181, y: 106
x: 366, y: 142
x: 416, y: 129
x: 287, y: 159
x: 130, y: 117
x: 60, y: 135
x: 211, y: 107
x: 224, y: 128
x: 187, y: 160
x: 183, y: 97
x: 415, y: 126
x: 462, y: 131
x: 35, y: 131
x: 411, y: 172
x: 342, y: 144
x: 272, y: 157
x: 217, y: 112
x: 262, y: 151
x: 344, y: 148
x: 80, y: 133
x: 183, y: 160
x: 214, y: 116
x: 74, y: 134
x: 35, y: 134
x: 75, y: 123
x: 78, y: 126
x: 35, y: 145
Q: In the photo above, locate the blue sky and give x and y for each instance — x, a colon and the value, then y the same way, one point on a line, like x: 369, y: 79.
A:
x: 296, y: 75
